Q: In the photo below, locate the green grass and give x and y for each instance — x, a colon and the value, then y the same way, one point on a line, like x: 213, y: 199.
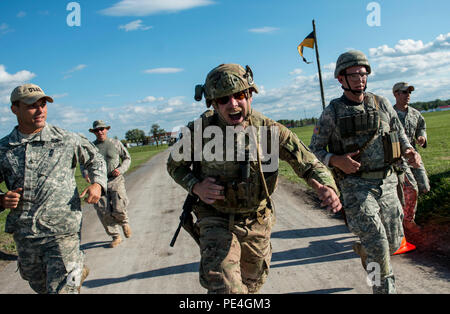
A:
x: 304, y: 134
x: 139, y: 155
x: 434, y: 206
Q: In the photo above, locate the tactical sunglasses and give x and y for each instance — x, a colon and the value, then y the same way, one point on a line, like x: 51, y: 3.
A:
x: 224, y: 100
x: 98, y: 130
x: 355, y: 77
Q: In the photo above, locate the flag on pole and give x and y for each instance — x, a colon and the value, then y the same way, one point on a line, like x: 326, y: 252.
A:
x: 307, y: 42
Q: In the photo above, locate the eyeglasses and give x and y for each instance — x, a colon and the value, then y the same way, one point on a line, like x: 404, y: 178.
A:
x: 224, y: 100
x: 99, y: 129
x: 355, y: 77
x: 404, y: 92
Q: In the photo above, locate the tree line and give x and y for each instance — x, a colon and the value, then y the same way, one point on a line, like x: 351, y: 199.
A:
x: 297, y: 123
x: 427, y: 105
x: 156, y: 136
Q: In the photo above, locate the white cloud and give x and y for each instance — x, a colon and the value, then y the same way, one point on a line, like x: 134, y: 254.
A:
x: 424, y: 65
x: 9, y: 81
x: 151, y: 7
x: 77, y: 68
x: 264, y: 30
x: 150, y: 99
x: 134, y: 26
x: 163, y: 70
x: 5, y: 29
x: 21, y: 14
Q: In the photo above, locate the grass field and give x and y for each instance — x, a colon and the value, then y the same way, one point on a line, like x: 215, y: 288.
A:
x: 434, y: 206
x: 139, y: 155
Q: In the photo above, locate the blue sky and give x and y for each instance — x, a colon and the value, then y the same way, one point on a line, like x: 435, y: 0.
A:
x: 136, y: 62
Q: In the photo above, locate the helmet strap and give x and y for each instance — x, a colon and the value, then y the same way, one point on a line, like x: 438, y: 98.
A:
x: 354, y: 92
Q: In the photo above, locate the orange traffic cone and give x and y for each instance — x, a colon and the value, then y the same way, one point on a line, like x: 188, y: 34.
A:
x: 405, y: 247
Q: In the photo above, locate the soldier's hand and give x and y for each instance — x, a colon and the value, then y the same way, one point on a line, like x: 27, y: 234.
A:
x: 413, y: 157
x: 11, y: 198
x: 208, y: 191
x: 327, y: 195
x: 115, y: 173
x: 421, y: 140
x: 93, y: 192
x: 345, y: 162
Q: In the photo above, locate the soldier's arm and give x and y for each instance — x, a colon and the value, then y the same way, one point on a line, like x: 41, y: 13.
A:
x: 93, y: 162
x: 421, y: 131
x: 396, y: 125
x: 180, y: 162
x: 304, y: 163
x: 125, y: 156
x: 322, y: 135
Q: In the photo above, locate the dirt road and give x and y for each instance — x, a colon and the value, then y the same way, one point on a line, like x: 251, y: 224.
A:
x: 311, y: 250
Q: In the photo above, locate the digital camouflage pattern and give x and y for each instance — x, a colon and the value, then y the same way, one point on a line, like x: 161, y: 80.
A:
x: 112, y: 207
x: 415, y: 126
x: 371, y: 204
x: 246, y: 215
x: 51, y: 265
x: 44, y: 166
x: 48, y: 216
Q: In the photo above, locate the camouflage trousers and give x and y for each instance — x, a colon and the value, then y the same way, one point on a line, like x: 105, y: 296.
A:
x: 112, y: 207
x: 375, y: 215
x: 235, y: 254
x: 410, y: 192
x: 51, y: 265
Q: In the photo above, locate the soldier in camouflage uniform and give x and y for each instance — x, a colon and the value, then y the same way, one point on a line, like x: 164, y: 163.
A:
x: 416, y: 179
x: 234, y: 211
x: 112, y: 207
x: 364, y: 138
x: 38, y: 163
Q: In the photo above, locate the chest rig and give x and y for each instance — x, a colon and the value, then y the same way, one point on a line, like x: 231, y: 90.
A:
x: 365, y: 128
x: 245, y: 190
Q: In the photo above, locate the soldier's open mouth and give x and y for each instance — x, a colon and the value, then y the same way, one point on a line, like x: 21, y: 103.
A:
x: 235, y: 116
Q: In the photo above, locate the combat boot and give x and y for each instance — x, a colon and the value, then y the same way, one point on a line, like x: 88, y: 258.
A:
x: 357, y: 247
x: 126, y: 230
x: 84, y: 274
x: 115, y: 241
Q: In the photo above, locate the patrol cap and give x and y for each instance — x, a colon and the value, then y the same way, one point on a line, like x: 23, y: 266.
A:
x: 402, y: 86
x: 98, y: 124
x: 29, y: 94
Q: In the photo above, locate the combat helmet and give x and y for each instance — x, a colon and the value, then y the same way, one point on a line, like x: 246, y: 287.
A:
x: 349, y: 59
x: 225, y: 80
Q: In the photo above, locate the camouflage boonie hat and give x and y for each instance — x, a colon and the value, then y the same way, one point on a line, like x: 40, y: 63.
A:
x: 225, y: 80
x: 349, y: 59
x: 29, y: 94
x: 402, y: 86
x: 98, y: 125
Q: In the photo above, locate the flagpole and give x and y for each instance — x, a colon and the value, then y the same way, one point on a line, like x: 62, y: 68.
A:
x: 318, y: 65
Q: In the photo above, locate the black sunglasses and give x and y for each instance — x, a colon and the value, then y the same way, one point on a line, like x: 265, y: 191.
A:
x: 224, y: 100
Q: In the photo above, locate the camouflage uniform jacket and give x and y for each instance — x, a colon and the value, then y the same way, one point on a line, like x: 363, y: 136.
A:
x: 44, y: 166
x: 413, y: 123
x: 291, y: 149
x: 328, y: 134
